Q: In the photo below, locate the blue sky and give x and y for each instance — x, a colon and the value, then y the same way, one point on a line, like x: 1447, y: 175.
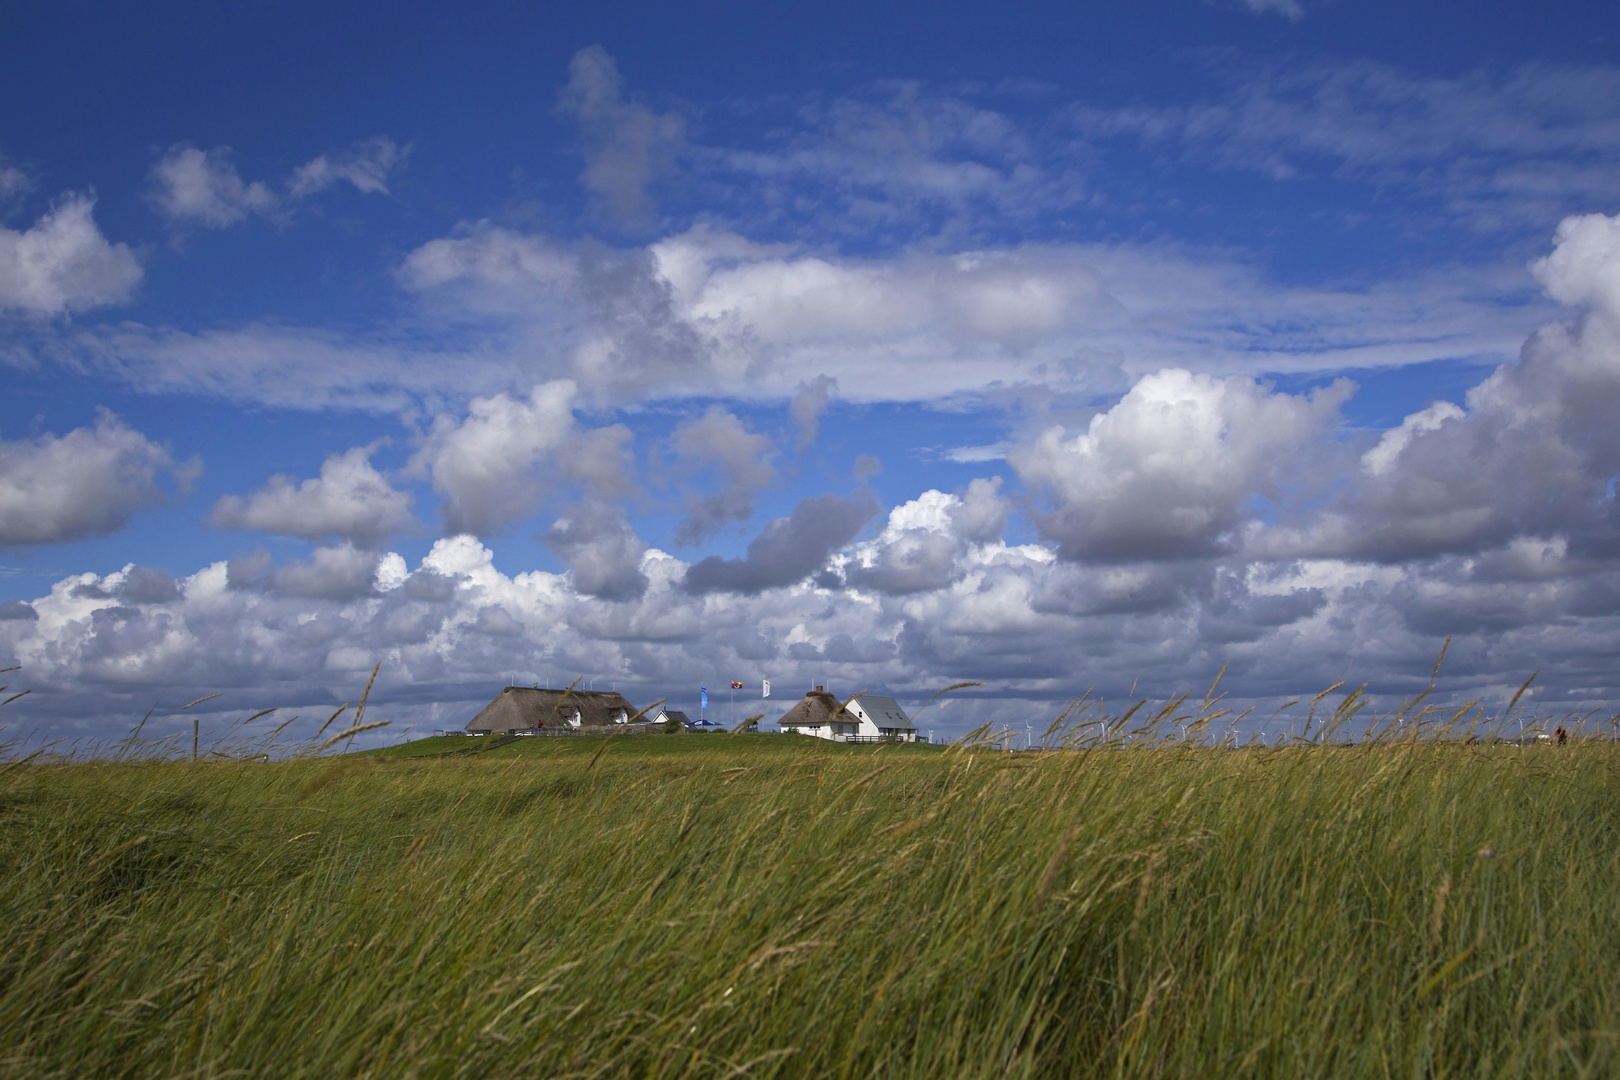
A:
x: 885, y: 346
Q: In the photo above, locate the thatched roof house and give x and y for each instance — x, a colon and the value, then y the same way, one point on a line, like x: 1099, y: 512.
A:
x: 815, y: 713
x: 520, y: 707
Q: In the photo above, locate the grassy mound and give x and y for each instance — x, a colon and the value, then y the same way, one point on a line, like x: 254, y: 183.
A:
x: 776, y: 906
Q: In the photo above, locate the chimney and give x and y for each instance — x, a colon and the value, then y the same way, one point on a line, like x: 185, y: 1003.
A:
x: 819, y: 690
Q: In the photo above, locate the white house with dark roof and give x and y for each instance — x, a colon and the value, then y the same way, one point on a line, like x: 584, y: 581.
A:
x: 864, y: 718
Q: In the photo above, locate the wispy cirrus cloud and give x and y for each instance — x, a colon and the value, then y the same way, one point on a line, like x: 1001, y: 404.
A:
x: 1498, y: 149
x: 497, y: 311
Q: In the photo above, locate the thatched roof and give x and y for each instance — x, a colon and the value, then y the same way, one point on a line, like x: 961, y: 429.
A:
x: 816, y: 708
x: 523, y: 707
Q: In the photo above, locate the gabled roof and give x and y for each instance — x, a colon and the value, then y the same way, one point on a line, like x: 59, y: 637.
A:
x: 674, y: 714
x: 885, y: 712
x: 523, y: 707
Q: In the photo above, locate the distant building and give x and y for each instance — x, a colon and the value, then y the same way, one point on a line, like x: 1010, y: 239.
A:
x: 520, y: 708
x: 666, y: 715
x: 865, y: 718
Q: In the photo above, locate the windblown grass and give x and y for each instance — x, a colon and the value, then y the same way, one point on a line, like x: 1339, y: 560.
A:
x: 762, y: 905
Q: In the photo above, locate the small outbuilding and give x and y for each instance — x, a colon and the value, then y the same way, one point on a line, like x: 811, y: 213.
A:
x: 522, y: 708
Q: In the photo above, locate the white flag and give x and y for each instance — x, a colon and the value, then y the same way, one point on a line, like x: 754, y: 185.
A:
x: 767, y: 692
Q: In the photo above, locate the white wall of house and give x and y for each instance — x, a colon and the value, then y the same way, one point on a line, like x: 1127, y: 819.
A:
x: 871, y: 718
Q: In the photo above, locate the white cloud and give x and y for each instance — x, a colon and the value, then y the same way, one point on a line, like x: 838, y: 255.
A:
x: 1168, y: 471
x: 718, y: 440
x: 1065, y: 316
x: 627, y: 145
x: 1499, y: 149
x: 487, y: 464
x: 603, y: 553
x: 89, y: 481
x: 1381, y: 459
x: 499, y: 462
x: 807, y: 405
x: 278, y: 365
x: 332, y: 573
x: 705, y: 313
x: 350, y: 500
x: 366, y: 166
x: 789, y: 549
x: 63, y: 263
x: 602, y: 318
x: 1533, y: 456
x: 203, y: 188
x: 13, y: 181
x: 1288, y: 9
x: 1583, y: 270
x: 980, y: 513
x: 916, y: 552
x: 903, y: 162
x: 456, y: 628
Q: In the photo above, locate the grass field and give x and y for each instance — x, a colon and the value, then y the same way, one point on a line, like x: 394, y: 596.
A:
x: 771, y: 905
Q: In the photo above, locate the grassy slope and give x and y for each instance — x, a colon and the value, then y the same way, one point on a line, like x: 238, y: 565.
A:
x: 687, y: 906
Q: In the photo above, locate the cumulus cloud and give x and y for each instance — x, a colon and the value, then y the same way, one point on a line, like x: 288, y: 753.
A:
x: 917, y: 552
x: 89, y: 481
x: 603, y: 553
x: 980, y: 513
x: 350, y: 500
x: 807, y: 405
x: 453, y: 629
x: 18, y: 610
x: 626, y: 145
x: 1583, y: 270
x: 928, y: 543
x: 718, y: 440
x: 342, y: 572
x: 498, y: 463
x: 789, y: 549
x: 63, y: 263
x: 1532, y: 456
x: 203, y: 188
x: 1168, y: 471
x: 601, y: 317
x: 487, y: 463
x: 332, y: 573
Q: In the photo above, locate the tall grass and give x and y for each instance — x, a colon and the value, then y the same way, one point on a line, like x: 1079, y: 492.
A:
x: 760, y: 905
